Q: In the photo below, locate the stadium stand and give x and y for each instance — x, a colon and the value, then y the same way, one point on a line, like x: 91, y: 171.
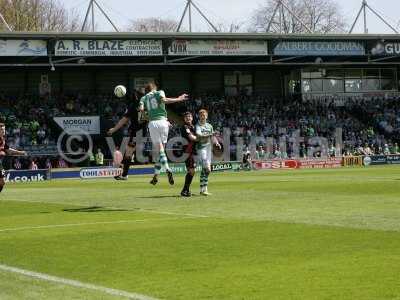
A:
x: 369, y: 126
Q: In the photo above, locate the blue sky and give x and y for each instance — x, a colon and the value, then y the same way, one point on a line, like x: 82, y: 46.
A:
x: 223, y: 11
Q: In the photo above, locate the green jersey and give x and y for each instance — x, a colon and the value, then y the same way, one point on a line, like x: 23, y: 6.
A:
x: 204, y: 134
x: 154, y: 105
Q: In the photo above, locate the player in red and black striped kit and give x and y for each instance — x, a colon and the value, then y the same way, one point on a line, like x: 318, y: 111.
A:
x: 5, y: 150
x: 188, y: 132
x: 130, y: 116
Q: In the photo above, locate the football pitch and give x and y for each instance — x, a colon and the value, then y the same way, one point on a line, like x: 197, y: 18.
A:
x: 309, y: 234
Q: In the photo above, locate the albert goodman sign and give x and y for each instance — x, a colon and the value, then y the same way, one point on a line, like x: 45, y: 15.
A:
x: 320, y: 48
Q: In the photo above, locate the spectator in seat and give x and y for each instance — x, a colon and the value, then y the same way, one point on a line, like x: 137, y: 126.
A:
x: 62, y: 164
x: 48, y: 164
x: 33, y: 165
x: 117, y: 158
x: 17, y: 164
x: 99, y: 158
x: 386, y: 149
x: 395, y: 149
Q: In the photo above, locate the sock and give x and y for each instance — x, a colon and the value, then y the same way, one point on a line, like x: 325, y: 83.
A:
x: 206, y: 174
x: 203, y: 180
x: 164, y: 161
x: 126, y: 164
x: 157, y: 169
x: 188, y: 182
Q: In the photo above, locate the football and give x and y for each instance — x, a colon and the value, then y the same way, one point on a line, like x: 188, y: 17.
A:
x: 120, y: 91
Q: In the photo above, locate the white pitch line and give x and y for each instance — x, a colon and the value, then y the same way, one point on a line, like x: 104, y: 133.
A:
x: 75, y: 283
x: 86, y: 224
x: 170, y: 213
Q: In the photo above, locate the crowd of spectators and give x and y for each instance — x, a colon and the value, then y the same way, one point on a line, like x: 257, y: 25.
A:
x: 30, y: 125
x: 373, y: 124
x: 367, y: 126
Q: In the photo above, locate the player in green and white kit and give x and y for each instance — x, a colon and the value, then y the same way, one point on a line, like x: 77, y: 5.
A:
x: 154, y: 103
x: 205, y: 139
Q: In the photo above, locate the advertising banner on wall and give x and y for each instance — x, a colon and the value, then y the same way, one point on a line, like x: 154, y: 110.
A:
x: 387, y: 48
x: 23, y: 48
x: 320, y: 48
x: 24, y: 176
x: 275, y: 164
x: 215, y: 167
x: 316, y: 163
x: 218, y: 48
x: 93, y: 173
x: 141, y: 82
x: 312, y: 163
x: 108, y: 48
x: 77, y: 125
x: 377, y: 160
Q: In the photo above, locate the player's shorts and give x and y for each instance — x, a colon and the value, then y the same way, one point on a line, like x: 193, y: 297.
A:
x: 190, y: 162
x: 159, y: 131
x: 132, y: 133
x: 204, y: 156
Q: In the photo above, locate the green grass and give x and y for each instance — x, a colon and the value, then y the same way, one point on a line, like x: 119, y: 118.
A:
x: 312, y: 234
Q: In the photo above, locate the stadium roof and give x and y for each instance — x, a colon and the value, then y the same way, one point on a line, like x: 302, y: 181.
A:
x: 206, y: 35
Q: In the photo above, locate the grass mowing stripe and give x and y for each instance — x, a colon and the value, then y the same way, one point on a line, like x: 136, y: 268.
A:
x: 87, y: 224
x: 75, y: 283
x: 143, y: 210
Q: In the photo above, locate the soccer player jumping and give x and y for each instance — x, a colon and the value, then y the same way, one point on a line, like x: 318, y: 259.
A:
x: 5, y: 150
x: 130, y: 116
x: 154, y: 103
x: 205, y: 139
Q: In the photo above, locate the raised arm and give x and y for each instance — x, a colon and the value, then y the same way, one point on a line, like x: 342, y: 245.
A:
x: 119, y: 125
x: 181, y: 98
x: 141, y: 106
x: 215, y: 141
x: 14, y: 152
x: 192, y: 137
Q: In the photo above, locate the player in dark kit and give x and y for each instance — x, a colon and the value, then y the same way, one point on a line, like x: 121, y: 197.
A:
x: 188, y: 132
x: 5, y: 150
x: 131, y: 116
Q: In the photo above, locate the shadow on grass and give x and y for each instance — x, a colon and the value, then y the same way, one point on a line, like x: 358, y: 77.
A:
x: 160, y: 197
x: 93, y: 209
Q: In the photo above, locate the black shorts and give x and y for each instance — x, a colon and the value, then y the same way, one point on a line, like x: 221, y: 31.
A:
x: 190, y: 162
x: 132, y: 132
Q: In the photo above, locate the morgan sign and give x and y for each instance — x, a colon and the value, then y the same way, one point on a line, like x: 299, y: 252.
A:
x: 77, y: 125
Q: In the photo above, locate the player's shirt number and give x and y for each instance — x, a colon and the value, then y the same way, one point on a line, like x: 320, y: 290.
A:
x: 153, y: 103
